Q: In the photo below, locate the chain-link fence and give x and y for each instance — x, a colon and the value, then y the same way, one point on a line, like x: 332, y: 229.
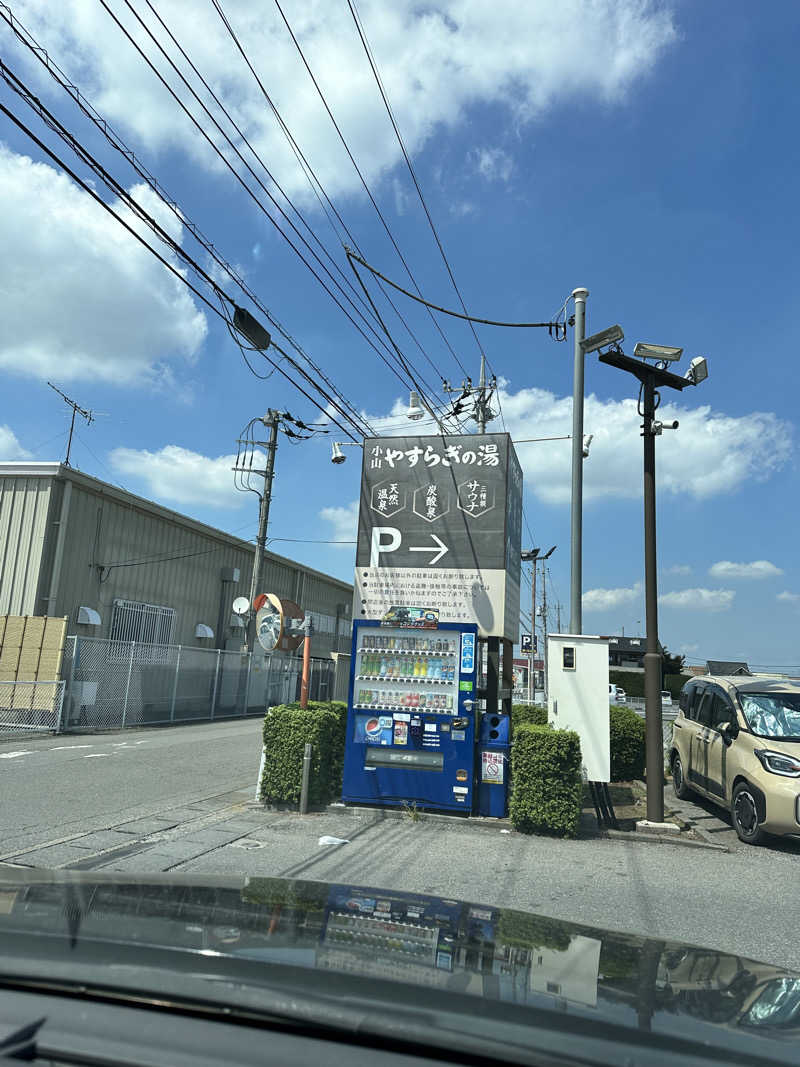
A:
x: 113, y: 684
x: 30, y: 707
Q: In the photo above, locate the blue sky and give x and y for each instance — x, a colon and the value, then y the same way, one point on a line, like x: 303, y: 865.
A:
x: 642, y: 150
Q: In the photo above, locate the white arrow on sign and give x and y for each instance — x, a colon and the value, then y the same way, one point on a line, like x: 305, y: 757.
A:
x: 440, y: 548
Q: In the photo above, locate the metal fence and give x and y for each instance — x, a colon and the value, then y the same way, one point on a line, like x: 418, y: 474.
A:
x: 112, y: 684
x: 30, y: 707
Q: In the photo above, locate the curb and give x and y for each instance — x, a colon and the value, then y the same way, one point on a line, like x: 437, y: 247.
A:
x: 666, y: 839
x: 462, y: 822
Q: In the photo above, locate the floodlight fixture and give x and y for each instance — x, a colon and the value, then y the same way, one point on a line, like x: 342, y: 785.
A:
x: 613, y: 335
x: 337, y: 456
x: 415, y: 409
x: 698, y: 370
x: 587, y: 444
x: 659, y: 352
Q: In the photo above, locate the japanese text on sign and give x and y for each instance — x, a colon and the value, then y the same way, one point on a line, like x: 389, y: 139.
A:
x: 486, y: 455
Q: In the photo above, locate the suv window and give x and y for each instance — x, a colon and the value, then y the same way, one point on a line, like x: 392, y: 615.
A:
x: 702, y: 709
x: 721, y: 710
x: 687, y: 698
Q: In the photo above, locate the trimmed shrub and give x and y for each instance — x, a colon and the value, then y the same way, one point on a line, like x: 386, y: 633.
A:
x: 633, y: 682
x: 533, y: 713
x: 287, y: 728
x: 546, y: 775
x: 627, y: 744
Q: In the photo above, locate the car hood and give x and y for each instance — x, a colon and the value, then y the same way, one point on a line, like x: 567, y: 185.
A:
x: 508, y: 960
x: 789, y: 748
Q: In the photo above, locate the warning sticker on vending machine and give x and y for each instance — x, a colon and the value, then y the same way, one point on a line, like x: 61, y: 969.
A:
x: 492, y: 767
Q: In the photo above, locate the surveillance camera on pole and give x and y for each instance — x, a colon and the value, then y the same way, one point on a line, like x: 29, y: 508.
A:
x: 415, y: 409
x: 613, y: 335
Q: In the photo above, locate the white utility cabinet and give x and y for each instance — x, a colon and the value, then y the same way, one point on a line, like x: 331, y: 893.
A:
x: 577, y: 696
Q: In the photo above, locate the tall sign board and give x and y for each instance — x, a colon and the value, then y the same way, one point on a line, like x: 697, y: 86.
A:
x: 440, y: 526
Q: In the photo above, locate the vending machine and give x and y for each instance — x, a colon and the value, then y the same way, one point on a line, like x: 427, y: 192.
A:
x: 411, y: 712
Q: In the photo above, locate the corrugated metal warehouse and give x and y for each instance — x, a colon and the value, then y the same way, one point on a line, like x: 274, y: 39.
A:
x: 122, y: 567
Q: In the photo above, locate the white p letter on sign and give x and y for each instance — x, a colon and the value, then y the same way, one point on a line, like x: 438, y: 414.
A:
x: 378, y: 546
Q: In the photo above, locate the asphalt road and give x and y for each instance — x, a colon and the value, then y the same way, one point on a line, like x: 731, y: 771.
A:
x: 55, y: 787
x: 180, y: 800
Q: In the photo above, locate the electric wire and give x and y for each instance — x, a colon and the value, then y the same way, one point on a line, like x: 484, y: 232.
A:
x: 238, y: 177
x: 447, y: 311
x: 19, y: 87
x: 384, y: 97
x: 306, y: 167
x: 361, y: 176
x: 113, y: 138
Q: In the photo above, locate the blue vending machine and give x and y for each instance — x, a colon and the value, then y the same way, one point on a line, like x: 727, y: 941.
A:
x: 411, y: 712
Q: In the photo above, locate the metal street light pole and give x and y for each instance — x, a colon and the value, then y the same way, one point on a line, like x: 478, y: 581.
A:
x: 654, y: 737
x: 576, y: 516
x: 651, y: 377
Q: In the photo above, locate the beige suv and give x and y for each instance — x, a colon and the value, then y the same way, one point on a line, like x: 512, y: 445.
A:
x: 737, y: 741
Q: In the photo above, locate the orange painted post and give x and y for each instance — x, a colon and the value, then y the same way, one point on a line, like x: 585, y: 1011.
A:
x: 306, y: 671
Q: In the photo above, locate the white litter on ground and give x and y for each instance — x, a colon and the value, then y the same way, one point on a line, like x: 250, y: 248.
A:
x: 326, y: 839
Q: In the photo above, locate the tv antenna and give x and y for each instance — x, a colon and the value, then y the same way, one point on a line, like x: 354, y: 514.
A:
x: 76, y: 410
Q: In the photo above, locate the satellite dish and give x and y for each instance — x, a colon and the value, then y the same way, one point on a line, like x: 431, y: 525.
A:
x: 240, y: 605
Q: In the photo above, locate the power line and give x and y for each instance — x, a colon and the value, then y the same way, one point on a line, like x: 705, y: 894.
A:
x: 554, y: 327
x: 238, y: 177
x: 360, y: 175
x: 85, y: 156
x: 113, y: 138
x: 311, y: 176
x: 95, y: 196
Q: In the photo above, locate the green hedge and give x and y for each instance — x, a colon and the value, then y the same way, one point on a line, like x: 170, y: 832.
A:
x: 287, y: 728
x: 533, y: 713
x: 546, y: 781
x: 627, y: 744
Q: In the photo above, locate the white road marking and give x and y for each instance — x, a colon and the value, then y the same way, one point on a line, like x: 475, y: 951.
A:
x: 61, y: 748
x: 118, y: 744
x: 140, y: 742
x: 96, y: 755
x: 13, y: 755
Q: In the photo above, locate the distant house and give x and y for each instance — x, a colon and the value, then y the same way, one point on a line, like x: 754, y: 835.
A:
x: 627, y: 653
x: 728, y: 667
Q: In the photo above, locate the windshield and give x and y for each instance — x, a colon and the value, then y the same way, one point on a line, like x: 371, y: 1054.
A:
x: 391, y: 487
x: 772, y: 715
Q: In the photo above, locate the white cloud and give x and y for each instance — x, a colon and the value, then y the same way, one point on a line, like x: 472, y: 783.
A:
x: 711, y: 453
x: 679, y: 569
x: 10, y: 448
x: 759, y: 568
x: 604, y: 599
x: 344, y: 521
x: 436, y: 60
x: 493, y: 164
x: 699, y: 599
x: 789, y: 598
x: 104, y: 309
x: 180, y: 476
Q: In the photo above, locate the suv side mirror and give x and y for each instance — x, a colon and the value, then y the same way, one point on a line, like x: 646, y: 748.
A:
x: 729, y: 730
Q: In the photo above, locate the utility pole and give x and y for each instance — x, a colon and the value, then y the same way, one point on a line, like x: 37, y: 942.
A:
x: 530, y: 556
x: 544, y: 559
x: 576, y: 516
x: 481, y: 397
x: 76, y: 410
x: 271, y: 420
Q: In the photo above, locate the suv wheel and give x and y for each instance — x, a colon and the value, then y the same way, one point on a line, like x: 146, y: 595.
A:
x: 744, y: 813
x: 679, y: 786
